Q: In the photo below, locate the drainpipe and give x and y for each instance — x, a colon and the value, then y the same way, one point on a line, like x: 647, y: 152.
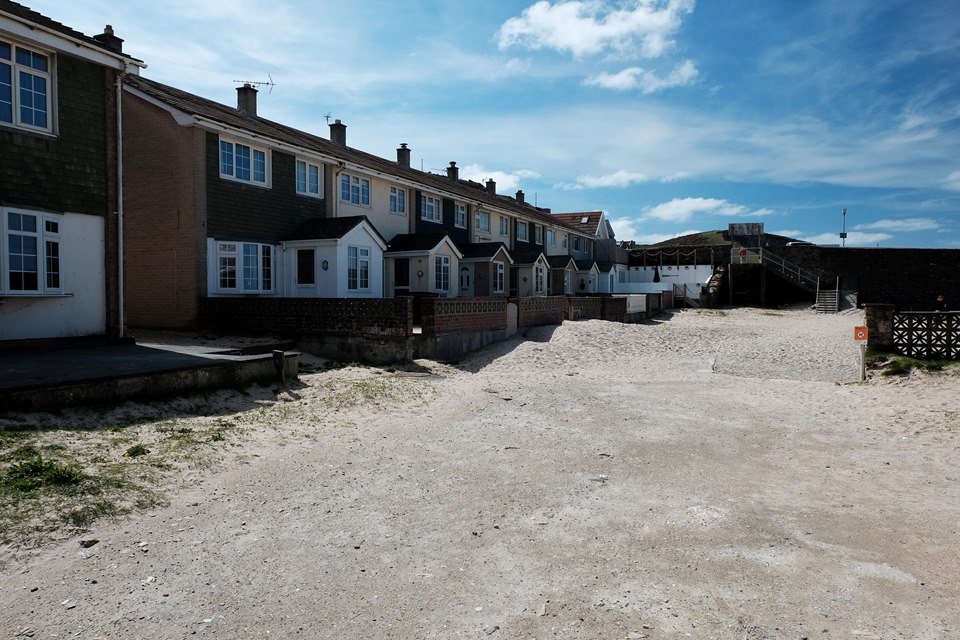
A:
x: 120, y: 273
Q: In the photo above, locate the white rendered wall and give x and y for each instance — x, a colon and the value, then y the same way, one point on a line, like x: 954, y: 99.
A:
x: 83, y: 310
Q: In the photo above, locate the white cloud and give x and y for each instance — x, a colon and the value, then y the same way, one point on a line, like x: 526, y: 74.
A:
x: 506, y: 182
x: 854, y: 238
x: 593, y: 26
x: 905, y: 224
x: 620, y: 179
x: 647, y: 81
x: 683, y: 209
x: 952, y: 182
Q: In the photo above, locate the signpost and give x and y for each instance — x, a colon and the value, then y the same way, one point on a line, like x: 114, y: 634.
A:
x: 860, y: 335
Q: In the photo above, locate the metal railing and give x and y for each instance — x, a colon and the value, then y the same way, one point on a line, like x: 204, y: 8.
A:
x: 791, y: 271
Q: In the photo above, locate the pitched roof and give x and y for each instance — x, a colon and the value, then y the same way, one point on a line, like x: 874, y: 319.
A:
x: 527, y: 256
x: 415, y: 241
x: 330, y: 228
x: 559, y: 262
x: 586, y: 222
x: 475, y: 250
x: 26, y: 13
x: 232, y: 117
x: 585, y: 265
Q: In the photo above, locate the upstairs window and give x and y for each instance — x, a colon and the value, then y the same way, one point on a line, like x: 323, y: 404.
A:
x: 483, y: 221
x: 30, y: 253
x: 551, y: 237
x: 25, y: 83
x: 522, y: 231
x: 460, y: 218
x: 431, y: 209
x: 538, y: 234
x: 308, y: 179
x: 504, y: 226
x: 563, y: 241
x: 576, y: 243
x: 398, y: 201
x: 354, y: 190
x: 243, y: 162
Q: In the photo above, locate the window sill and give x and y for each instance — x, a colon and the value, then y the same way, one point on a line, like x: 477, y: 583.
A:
x: 249, y: 183
x: 40, y: 133
x: 354, y: 204
x: 315, y: 196
x: 32, y: 296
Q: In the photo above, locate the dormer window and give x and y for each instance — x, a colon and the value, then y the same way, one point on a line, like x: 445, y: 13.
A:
x: 25, y: 91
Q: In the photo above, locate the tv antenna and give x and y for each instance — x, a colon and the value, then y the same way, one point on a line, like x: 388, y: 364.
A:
x: 326, y: 116
x: 261, y: 83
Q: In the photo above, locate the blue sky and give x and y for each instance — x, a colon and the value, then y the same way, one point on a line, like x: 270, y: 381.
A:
x: 672, y: 116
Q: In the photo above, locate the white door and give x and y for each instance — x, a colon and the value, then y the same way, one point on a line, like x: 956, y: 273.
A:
x: 466, y: 280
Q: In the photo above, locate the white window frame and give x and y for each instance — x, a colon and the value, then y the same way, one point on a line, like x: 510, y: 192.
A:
x: 46, y: 235
x: 431, y: 208
x: 442, y: 274
x: 563, y: 240
x: 576, y: 243
x: 398, y: 201
x: 499, y: 270
x: 460, y: 216
x: 539, y: 279
x: 308, y: 169
x: 358, y: 260
x: 482, y: 221
x: 354, y: 190
x: 551, y: 238
x: 521, y: 231
x: 232, y: 257
x: 504, y: 226
x: 17, y: 70
x: 537, y: 234
x: 229, y: 147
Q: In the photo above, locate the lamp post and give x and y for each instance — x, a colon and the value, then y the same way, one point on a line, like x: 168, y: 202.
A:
x: 843, y: 232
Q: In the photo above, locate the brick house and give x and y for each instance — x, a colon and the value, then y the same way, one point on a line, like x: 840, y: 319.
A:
x: 60, y: 205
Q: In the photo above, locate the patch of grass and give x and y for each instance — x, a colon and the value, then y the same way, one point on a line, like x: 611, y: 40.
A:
x: 892, y: 364
x: 32, y: 472
x: 711, y: 312
x: 136, y: 451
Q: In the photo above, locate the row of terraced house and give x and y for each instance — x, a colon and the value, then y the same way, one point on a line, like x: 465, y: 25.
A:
x: 129, y: 202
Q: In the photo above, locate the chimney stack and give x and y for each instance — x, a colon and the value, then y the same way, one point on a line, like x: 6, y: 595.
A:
x: 453, y: 172
x: 403, y: 155
x: 491, y: 186
x: 520, y: 197
x: 247, y: 99
x: 110, y: 41
x: 338, y: 133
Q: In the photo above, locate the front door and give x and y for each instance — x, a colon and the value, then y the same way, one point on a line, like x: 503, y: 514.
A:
x: 466, y: 280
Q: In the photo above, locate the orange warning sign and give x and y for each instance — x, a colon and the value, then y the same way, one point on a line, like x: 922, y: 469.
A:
x: 860, y: 334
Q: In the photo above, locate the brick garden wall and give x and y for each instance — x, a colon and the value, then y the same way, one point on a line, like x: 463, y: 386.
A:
x: 458, y: 315
x: 537, y: 311
x: 584, y: 308
x: 309, y: 316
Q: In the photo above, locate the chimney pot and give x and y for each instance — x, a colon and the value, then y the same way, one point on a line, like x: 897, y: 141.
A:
x: 491, y: 186
x: 338, y: 133
x: 453, y: 172
x: 109, y: 40
x: 520, y: 197
x: 247, y: 99
x: 403, y: 155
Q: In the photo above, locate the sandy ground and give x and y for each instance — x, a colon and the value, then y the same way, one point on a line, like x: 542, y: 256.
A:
x: 703, y: 476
